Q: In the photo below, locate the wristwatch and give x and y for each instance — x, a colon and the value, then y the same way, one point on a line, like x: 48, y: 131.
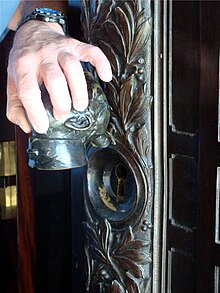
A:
x: 46, y: 15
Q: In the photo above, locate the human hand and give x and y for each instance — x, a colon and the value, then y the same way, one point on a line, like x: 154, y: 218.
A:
x: 42, y: 54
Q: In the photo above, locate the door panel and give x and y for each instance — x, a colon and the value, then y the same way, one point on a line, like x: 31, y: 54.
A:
x: 208, y: 250
x: 181, y: 100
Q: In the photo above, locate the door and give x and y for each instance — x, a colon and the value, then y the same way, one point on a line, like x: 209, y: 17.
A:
x: 143, y: 216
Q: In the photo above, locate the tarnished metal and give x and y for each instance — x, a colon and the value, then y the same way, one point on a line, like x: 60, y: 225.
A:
x: 64, y: 144
x: 8, y: 202
x: 7, y: 158
x: 8, y: 189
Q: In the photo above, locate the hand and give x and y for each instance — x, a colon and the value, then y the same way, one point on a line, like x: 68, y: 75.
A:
x: 41, y: 53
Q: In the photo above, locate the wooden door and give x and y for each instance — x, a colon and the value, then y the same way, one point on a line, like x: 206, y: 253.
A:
x: 143, y: 216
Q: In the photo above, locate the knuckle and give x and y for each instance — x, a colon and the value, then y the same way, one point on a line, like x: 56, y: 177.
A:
x: 54, y: 81
x: 69, y: 62
x: 27, y: 95
x: 21, y: 63
x: 95, y: 51
x: 51, y: 74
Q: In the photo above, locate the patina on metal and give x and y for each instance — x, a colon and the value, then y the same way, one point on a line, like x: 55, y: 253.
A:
x: 65, y: 143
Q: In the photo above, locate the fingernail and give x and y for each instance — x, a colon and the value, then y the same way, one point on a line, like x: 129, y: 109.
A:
x: 61, y: 117
x: 41, y: 127
x: 80, y: 105
x: 107, y: 76
x: 58, y: 116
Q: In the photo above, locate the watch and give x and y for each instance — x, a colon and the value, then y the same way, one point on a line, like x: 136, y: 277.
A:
x: 46, y: 15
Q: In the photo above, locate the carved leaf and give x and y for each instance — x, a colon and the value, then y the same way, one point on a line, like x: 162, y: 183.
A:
x: 126, y: 95
x: 116, y: 287
x: 140, y: 109
x: 95, y: 247
x: 145, y: 285
x: 113, y: 58
x: 127, y: 265
x: 132, y: 287
x: 118, y: 43
x: 106, y: 236
x: 134, y: 255
x: 143, y: 143
x: 125, y: 28
x: 142, y: 36
x: 129, y: 254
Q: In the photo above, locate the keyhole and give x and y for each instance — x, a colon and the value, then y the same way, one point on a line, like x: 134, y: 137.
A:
x: 121, y: 174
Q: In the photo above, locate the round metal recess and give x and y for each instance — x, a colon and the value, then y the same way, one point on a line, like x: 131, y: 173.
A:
x: 112, y: 187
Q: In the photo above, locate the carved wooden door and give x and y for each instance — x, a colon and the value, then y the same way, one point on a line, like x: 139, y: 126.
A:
x: 143, y: 216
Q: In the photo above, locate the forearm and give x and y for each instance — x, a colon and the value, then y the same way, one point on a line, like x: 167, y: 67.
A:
x: 25, y: 7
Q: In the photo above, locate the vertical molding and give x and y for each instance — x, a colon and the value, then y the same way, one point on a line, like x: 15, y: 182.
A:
x: 216, y: 280
x: 165, y: 154
x: 158, y: 175
x: 217, y: 240
x: 219, y: 98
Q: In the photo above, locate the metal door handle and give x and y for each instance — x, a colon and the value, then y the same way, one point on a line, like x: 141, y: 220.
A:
x: 64, y: 144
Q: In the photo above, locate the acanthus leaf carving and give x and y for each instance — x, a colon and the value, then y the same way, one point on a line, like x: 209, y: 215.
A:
x: 119, y: 258
x: 128, y: 31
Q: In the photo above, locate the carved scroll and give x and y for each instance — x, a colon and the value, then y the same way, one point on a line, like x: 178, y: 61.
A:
x: 118, y: 193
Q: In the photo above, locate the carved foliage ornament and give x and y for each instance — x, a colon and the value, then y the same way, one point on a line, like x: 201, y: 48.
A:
x: 119, y: 249
x: 115, y: 260
x: 122, y: 30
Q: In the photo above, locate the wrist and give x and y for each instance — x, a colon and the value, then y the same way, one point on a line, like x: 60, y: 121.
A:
x: 37, y: 25
x: 45, y: 15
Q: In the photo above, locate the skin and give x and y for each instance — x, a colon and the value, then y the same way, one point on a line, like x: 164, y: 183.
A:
x: 41, y: 53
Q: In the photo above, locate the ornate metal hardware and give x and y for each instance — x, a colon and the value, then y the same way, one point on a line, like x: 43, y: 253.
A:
x: 64, y: 144
x: 8, y: 189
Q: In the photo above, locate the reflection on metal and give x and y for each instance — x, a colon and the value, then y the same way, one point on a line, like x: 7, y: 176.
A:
x: 119, y: 239
x: 219, y: 100
x: 216, y: 280
x: 7, y: 158
x: 217, y: 208
x: 166, y: 69
x: 64, y: 144
x: 8, y: 190
x: 8, y: 202
x: 106, y: 198
x: 158, y: 175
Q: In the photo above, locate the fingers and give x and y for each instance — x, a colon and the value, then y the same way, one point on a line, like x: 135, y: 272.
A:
x: 24, y: 93
x: 94, y: 55
x: 15, y: 111
x: 56, y: 85
x: 57, y: 64
x: 76, y: 80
